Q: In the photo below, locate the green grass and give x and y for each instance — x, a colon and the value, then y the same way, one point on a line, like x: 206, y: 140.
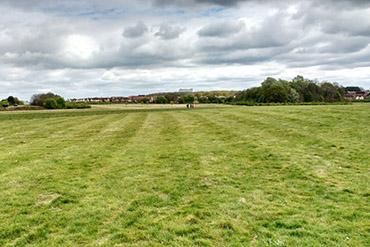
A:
x: 214, y: 176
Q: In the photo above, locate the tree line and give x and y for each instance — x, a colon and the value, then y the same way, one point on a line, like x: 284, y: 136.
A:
x: 297, y: 90
x: 10, y: 101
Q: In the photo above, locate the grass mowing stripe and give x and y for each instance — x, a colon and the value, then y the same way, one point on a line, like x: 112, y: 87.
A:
x: 156, y: 196
x: 25, y: 139
x: 36, y: 149
x: 26, y: 182
x: 55, y: 187
x: 324, y: 189
x: 80, y: 113
x: 315, y: 147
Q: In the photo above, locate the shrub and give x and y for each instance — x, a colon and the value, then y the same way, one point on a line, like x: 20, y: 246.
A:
x: 161, y: 100
x: 51, y: 103
x: 39, y: 99
x: 60, y: 102
x: 76, y: 105
x: 188, y: 99
x: 14, y: 101
x: 4, y: 103
x: 48, y: 100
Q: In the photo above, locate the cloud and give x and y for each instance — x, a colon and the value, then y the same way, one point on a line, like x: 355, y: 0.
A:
x: 135, y: 31
x: 204, y: 2
x: 68, y: 45
x: 221, y: 29
x: 169, y: 32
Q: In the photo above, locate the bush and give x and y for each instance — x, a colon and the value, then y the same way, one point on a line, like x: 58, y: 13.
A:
x: 48, y: 100
x: 76, y: 105
x: 39, y: 99
x: 161, y: 100
x: 188, y: 99
x: 14, y: 101
x: 22, y: 108
x: 51, y: 103
x: 4, y: 103
x: 61, y: 103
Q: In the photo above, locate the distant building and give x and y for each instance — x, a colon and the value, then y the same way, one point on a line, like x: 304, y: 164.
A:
x: 356, y: 95
x: 185, y: 90
x: 116, y: 99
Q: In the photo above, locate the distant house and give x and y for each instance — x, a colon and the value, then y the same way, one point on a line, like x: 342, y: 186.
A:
x: 116, y: 99
x: 356, y: 95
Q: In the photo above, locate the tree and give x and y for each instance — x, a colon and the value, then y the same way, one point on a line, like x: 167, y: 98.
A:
x: 188, y: 99
x: 250, y: 95
x: 40, y: 100
x: 61, y: 103
x: 293, y: 96
x: 51, y: 103
x: 4, y: 103
x: 297, y: 90
x: 313, y: 93
x: 354, y: 89
x: 14, y: 101
x: 275, y: 91
x: 331, y: 92
x: 161, y: 100
x: 203, y: 99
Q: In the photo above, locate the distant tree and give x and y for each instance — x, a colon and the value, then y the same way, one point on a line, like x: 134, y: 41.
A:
x: 213, y: 99
x: 330, y: 92
x: 293, y: 96
x: 145, y: 100
x: 14, y: 101
x: 4, y: 103
x: 275, y: 91
x: 51, y: 103
x: 300, y: 85
x: 203, y: 99
x: 313, y: 93
x: 354, y: 89
x: 188, y: 99
x: 171, y: 97
x: 61, y: 103
x: 40, y: 100
x: 161, y: 100
x: 250, y: 95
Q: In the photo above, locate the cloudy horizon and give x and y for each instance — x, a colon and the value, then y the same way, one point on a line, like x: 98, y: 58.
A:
x: 119, y: 47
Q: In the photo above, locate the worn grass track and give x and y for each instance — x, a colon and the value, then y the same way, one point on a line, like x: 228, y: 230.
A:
x: 228, y: 176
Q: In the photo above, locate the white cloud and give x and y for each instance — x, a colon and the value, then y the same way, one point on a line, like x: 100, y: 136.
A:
x: 78, y: 46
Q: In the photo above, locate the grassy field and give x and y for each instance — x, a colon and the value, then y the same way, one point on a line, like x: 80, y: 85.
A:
x: 229, y: 176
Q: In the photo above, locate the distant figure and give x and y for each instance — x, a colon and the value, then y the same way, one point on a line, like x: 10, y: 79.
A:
x: 187, y: 106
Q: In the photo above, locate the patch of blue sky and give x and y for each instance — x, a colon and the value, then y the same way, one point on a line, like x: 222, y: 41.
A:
x: 92, y: 12
x: 212, y: 11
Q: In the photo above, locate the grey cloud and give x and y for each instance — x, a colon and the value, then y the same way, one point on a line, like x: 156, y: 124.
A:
x: 192, y: 2
x: 348, y: 23
x: 169, y: 32
x: 135, y: 31
x: 273, y: 32
x: 221, y: 29
x: 344, y: 45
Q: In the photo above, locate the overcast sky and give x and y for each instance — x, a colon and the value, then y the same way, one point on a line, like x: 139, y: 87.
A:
x: 125, y: 47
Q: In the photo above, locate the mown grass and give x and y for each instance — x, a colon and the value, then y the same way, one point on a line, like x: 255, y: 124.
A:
x: 231, y: 176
